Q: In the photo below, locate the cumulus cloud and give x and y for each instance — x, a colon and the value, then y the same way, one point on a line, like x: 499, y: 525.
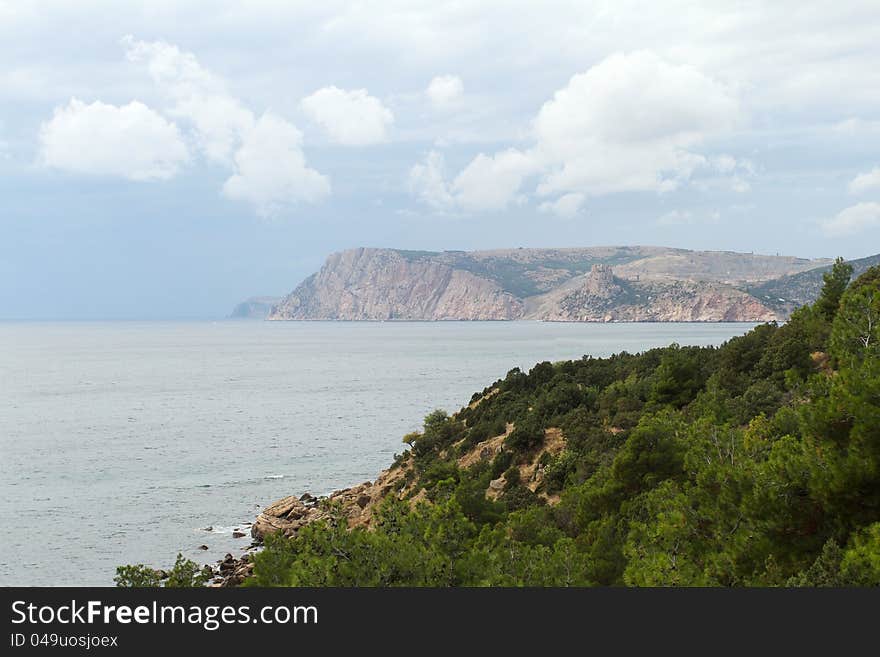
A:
x: 265, y: 154
x: 271, y: 170
x: 487, y: 183
x: 427, y: 182
x: 350, y: 118
x: 854, y: 219
x: 130, y: 141
x: 566, y: 206
x: 631, y: 123
x: 445, y: 92
x: 492, y: 182
x: 865, y: 181
x: 196, y: 94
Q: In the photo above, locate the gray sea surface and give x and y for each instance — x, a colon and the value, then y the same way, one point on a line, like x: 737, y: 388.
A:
x: 123, y: 442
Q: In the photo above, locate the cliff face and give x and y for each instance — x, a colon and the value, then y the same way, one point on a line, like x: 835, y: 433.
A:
x: 627, y: 284
x: 381, y: 284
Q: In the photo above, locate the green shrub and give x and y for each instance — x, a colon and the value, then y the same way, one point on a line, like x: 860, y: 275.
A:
x: 137, y: 576
x: 527, y: 434
x: 186, y: 574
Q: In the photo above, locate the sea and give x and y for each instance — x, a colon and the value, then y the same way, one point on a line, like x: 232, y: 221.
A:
x: 131, y: 442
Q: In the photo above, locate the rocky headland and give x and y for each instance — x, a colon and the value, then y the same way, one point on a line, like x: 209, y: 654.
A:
x: 254, y: 308
x: 600, y: 284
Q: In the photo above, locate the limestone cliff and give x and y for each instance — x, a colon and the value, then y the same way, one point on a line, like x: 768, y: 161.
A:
x: 382, y: 284
x: 625, y: 284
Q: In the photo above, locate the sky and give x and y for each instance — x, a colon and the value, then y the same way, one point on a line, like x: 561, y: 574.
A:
x: 166, y: 160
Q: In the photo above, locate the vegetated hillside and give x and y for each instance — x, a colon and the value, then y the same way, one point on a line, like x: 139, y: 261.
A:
x: 786, y: 293
x: 756, y: 464
x: 631, y: 283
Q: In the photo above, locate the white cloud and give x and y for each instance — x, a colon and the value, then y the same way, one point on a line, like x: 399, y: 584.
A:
x: 492, y: 182
x: 688, y: 218
x: 196, y: 95
x: 486, y: 184
x: 427, y: 182
x: 131, y: 141
x: 271, y: 171
x: 445, y: 92
x: 630, y: 123
x: 854, y: 219
x: 633, y: 122
x: 351, y: 118
x: 865, y: 181
x: 567, y: 206
x: 265, y: 154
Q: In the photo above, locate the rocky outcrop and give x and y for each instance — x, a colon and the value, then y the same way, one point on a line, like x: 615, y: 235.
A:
x: 355, y: 504
x: 602, y: 297
x: 623, y: 284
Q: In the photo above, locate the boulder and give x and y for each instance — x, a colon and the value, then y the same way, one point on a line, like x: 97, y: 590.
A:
x: 279, y: 516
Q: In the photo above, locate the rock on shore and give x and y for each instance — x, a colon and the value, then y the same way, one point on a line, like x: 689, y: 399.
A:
x: 290, y: 514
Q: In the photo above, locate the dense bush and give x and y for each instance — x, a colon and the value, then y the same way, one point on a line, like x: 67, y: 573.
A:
x: 185, y: 574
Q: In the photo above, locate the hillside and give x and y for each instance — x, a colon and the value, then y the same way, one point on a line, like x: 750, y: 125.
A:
x: 786, y: 293
x: 631, y: 283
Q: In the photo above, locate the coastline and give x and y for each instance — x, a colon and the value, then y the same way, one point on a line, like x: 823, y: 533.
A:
x: 290, y: 514
x: 355, y: 505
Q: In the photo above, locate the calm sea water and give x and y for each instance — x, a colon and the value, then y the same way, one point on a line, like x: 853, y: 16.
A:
x: 122, y: 442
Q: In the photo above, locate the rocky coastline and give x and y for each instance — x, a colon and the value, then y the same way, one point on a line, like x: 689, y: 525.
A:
x: 355, y: 505
x: 290, y: 514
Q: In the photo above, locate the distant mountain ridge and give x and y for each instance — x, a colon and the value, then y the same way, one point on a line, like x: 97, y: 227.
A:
x: 595, y: 284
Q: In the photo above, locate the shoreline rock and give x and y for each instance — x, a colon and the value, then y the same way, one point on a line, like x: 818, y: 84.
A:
x: 290, y: 514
